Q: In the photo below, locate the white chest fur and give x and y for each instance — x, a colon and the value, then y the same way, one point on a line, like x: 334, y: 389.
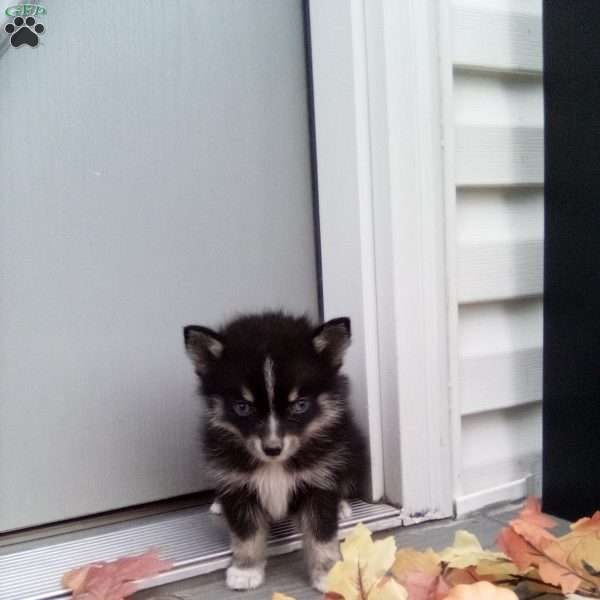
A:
x: 274, y: 486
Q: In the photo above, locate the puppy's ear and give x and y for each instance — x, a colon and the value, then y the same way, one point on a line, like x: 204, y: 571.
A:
x: 332, y: 339
x: 203, y: 346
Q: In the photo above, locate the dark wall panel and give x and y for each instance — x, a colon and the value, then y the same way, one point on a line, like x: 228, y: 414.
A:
x: 572, y: 258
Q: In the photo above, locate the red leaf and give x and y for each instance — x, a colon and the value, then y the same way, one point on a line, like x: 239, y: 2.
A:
x: 113, y: 580
x: 532, y: 513
x: 528, y: 544
x: 421, y: 586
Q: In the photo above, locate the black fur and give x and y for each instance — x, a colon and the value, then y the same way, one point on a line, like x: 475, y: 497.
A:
x: 306, y: 358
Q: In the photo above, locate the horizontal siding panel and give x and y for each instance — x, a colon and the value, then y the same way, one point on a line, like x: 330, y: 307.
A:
x: 500, y: 354
x: 499, y: 214
x: 503, y: 270
x: 499, y: 156
x: 497, y: 40
x: 496, y: 328
x: 500, y: 446
x: 498, y: 99
x: 500, y: 380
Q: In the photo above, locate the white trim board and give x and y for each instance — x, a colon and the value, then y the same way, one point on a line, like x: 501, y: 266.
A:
x: 377, y: 104
x: 507, y: 492
x: 345, y: 201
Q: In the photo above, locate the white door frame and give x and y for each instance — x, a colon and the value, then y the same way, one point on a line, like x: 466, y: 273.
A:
x: 377, y: 103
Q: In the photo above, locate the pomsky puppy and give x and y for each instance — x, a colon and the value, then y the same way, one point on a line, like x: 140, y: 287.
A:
x: 279, y: 436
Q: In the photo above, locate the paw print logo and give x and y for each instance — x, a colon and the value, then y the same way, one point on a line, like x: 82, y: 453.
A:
x: 24, y: 31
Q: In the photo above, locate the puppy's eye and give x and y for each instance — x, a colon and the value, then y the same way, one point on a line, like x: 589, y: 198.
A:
x: 300, y: 406
x: 242, y: 409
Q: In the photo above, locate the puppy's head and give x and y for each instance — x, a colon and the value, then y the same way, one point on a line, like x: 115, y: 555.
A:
x: 271, y: 380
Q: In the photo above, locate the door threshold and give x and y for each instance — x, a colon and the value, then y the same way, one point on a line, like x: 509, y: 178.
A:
x: 196, y: 541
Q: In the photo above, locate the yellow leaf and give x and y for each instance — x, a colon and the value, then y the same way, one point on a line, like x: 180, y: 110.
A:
x: 278, y: 596
x: 356, y: 543
x: 409, y: 560
x: 499, y: 569
x: 364, y: 568
x: 387, y: 589
x: 467, y: 551
x: 342, y: 579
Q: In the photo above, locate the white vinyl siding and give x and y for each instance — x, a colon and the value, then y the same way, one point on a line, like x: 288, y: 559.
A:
x: 498, y: 177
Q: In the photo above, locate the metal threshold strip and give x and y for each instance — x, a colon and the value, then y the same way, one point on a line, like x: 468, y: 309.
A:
x: 196, y: 541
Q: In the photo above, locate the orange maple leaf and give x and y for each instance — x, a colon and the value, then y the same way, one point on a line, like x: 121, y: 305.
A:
x: 528, y: 543
x: 532, y: 512
x: 580, y: 549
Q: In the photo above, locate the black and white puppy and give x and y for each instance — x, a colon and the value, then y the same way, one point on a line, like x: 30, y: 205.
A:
x: 279, y: 436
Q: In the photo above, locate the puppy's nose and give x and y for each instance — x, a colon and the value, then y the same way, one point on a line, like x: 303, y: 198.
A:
x: 272, y: 448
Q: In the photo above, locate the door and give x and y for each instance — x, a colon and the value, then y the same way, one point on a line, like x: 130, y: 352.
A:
x: 155, y: 171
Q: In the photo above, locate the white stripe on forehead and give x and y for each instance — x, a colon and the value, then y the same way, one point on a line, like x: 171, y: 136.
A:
x: 272, y: 429
x: 269, y: 373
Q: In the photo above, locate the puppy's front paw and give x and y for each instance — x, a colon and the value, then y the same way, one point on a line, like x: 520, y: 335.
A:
x: 245, y: 578
x: 344, y: 510
x: 216, y: 508
x: 319, y: 581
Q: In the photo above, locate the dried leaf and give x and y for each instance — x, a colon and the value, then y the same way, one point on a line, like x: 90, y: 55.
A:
x: 519, y: 551
x: 465, y: 576
x: 113, y: 580
x: 425, y: 587
x: 467, y: 552
x: 528, y: 544
x: 420, y: 573
x: 497, y: 569
x: 582, y: 547
x: 363, y: 570
x: 532, y: 512
x: 409, y: 560
x: 344, y: 579
x: 278, y: 596
x: 387, y: 588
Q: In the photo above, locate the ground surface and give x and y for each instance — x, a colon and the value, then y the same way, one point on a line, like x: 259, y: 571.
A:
x: 286, y: 574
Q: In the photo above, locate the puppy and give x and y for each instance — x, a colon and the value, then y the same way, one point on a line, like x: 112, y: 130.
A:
x: 279, y: 437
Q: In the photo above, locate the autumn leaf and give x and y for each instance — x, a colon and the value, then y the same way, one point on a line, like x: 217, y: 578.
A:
x: 532, y: 513
x: 409, y: 560
x: 387, y: 588
x: 420, y: 574
x: 466, y: 576
x: 497, y: 569
x: 114, y: 580
x: 581, y: 549
x: 467, y: 551
x: 362, y: 574
x: 425, y: 587
x: 528, y: 543
x: 278, y: 596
